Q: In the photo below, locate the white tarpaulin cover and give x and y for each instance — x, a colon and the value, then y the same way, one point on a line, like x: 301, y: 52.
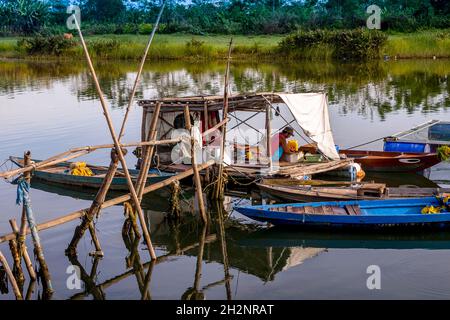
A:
x: 311, y: 112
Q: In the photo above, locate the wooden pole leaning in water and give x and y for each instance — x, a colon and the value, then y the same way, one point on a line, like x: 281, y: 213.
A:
x: 113, y: 166
x: 223, y: 245
x: 148, y: 153
x: 11, y: 278
x: 143, y: 172
x: 21, y: 234
x: 118, y: 148
x: 110, y: 203
x: 206, y: 116
x: 17, y: 268
x: 94, y: 210
x: 26, y: 256
x: 198, y: 183
x: 63, y: 157
x: 268, y: 136
x: 218, y: 191
x: 27, y: 211
x: 141, y: 68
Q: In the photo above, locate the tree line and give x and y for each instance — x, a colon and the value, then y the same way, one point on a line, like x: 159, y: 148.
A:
x: 221, y: 17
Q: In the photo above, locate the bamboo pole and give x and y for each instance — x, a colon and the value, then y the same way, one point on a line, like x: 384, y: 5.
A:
x: 128, y: 145
x: 147, y: 154
x: 17, y: 267
x: 141, y: 68
x: 94, y: 210
x: 23, y: 220
x: 28, y: 213
x: 113, y: 167
x: 201, y: 250
x: 81, y: 151
x: 108, y: 283
x: 269, y: 136
x: 216, y: 127
x: 117, y: 146
x: 223, y: 245
x: 24, y: 250
x: 110, y: 203
x: 198, y: 183
x: 88, y: 279
x: 41, y: 165
x: 205, y: 134
x: 147, y: 280
x: 30, y: 290
x: 10, y: 275
x: 218, y: 188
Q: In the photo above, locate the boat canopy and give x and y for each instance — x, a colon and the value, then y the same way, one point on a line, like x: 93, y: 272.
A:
x: 310, y: 111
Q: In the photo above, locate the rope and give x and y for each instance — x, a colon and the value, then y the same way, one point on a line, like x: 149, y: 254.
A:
x: 5, y: 165
x: 366, y: 143
x: 23, y: 196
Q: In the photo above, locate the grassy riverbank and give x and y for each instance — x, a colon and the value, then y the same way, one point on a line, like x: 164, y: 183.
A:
x: 426, y: 44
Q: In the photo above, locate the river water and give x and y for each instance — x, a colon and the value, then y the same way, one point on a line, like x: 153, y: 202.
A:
x: 48, y: 107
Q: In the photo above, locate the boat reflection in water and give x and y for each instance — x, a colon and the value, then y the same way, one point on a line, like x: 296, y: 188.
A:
x: 253, y: 249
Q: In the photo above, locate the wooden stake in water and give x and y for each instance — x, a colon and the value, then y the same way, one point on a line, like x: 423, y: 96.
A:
x: 11, y: 278
x: 117, y: 146
x: 113, y: 168
x: 198, y: 183
x: 26, y: 256
x: 219, y: 188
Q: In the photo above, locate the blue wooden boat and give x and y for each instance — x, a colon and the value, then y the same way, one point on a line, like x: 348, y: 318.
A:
x: 59, y: 174
x: 376, y: 213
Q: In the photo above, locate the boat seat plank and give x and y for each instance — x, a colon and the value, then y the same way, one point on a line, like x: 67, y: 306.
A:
x: 339, y: 211
x: 298, y: 210
x: 309, y: 210
x: 328, y: 210
x: 318, y: 210
x: 353, y: 210
x: 55, y: 170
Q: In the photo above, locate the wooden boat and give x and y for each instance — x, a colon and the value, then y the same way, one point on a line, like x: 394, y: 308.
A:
x: 58, y: 174
x: 430, y: 135
x: 370, y: 213
x: 365, y: 191
x: 383, y: 161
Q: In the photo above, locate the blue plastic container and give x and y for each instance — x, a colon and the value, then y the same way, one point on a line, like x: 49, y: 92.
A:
x: 395, y: 146
x: 440, y: 132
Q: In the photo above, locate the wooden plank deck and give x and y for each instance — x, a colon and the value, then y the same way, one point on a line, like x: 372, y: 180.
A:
x: 321, y: 210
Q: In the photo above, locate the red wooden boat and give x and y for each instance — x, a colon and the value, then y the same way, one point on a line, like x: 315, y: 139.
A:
x: 383, y: 161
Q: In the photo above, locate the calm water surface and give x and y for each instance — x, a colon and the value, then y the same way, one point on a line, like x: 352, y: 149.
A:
x: 49, y: 107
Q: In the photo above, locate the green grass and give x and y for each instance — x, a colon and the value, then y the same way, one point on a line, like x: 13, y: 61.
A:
x: 426, y: 44
x: 8, y: 47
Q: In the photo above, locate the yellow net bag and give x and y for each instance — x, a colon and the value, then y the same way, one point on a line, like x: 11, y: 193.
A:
x: 293, y: 145
x: 81, y: 169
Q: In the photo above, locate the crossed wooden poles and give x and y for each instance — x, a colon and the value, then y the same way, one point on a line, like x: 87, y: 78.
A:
x: 117, y: 156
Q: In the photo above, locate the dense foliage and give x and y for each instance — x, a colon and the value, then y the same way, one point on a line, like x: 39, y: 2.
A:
x: 224, y: 17
x: 360, y: 44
